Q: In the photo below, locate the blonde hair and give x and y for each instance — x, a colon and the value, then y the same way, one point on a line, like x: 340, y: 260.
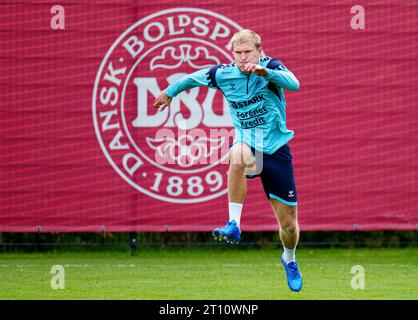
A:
x: 244, y: 36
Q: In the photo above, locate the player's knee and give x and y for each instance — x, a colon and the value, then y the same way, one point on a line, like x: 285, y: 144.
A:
x: 290, y: 226
x: 240, y: 157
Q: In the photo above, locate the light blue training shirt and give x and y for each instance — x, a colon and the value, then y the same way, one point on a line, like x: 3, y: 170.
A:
x: 257, y: 103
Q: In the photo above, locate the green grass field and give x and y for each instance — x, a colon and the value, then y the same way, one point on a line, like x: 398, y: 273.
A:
x: 207, y: 273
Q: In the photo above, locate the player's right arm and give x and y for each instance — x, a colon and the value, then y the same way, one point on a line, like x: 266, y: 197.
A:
x: 192, y: 80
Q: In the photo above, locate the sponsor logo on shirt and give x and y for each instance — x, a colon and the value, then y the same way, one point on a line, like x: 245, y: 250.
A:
x: 241, y: 104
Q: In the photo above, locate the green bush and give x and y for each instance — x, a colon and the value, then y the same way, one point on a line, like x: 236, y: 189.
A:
x: 102, y: 241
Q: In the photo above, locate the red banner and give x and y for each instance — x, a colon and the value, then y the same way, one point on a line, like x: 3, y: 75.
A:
x: 82, y: 148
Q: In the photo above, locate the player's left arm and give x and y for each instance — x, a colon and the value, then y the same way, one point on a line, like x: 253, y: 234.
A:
x: 281, y: 76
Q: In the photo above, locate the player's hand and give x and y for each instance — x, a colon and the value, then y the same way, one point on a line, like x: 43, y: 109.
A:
x: 256, y: 69
x: 162, y: 101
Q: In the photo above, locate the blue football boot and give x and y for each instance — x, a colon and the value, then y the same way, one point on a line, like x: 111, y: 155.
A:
x: 229, y: 233
x: 294, y: 278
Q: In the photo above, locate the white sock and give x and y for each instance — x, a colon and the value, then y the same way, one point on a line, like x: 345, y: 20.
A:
x: 289, y: 254
x: 235, y: 210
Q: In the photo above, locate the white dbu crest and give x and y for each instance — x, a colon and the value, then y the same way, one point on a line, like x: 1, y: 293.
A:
x: 177, y: 155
